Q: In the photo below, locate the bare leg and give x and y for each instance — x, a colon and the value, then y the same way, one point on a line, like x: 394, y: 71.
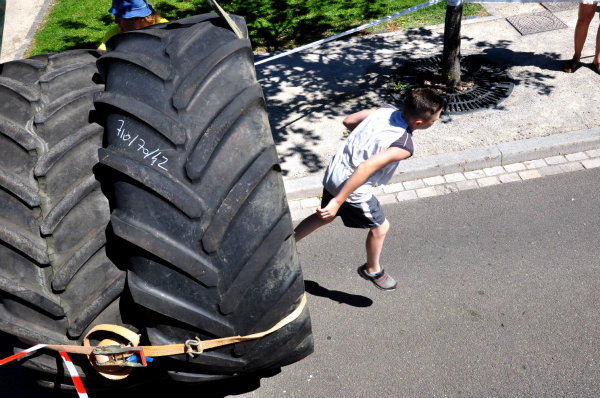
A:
x: 308, y: 225
x: 374, y: 245
x: 584, y: 18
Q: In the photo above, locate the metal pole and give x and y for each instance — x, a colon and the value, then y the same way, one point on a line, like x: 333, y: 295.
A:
x: 2, y: 9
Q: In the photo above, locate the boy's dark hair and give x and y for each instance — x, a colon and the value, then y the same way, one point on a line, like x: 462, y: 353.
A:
x: 422, y: 103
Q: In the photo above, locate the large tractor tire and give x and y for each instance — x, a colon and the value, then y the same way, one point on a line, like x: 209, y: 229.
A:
x: 198, y: 194
x: 56, y: 280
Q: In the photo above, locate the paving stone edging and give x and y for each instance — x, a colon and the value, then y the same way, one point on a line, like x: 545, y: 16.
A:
x: 470, y: 169
x: 468, y: 160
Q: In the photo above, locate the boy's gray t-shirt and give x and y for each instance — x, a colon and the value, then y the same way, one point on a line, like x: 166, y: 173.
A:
x: 382, y: 129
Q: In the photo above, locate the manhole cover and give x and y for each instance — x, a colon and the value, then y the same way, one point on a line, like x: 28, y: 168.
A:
x: 561, y: 5
x: 484, y: 84
x: 535, y: 23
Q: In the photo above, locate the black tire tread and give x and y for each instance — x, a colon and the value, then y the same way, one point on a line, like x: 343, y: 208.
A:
x: 212, y: 137
x: 184, y: 94
x: 66, y: 203
x: 18, y: 134
x: 168, y: 126
x: 54, y: 154
x: 56, y: 278
x: 26, y: 243
x: 236, y: 197
x: 20, y: 188
x: 211, y: 235
x: 176, y: 193
x: 19, y: 88
x: 163, y: 246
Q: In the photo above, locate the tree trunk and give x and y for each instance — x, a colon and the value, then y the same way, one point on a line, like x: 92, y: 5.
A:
x: 450, y: 57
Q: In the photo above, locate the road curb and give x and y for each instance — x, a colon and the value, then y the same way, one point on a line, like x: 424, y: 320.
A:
x: 557, y: 144
x: 468, y: 160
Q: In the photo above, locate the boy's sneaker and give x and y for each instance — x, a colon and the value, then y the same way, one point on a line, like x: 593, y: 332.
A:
x: 381, y: 279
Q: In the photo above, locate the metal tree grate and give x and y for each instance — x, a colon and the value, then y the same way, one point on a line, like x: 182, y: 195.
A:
x: 538, y: 22
x: 485, y: 84
x: 561, y: 6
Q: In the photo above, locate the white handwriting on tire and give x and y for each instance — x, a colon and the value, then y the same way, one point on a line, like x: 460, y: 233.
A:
x: 141, y: 147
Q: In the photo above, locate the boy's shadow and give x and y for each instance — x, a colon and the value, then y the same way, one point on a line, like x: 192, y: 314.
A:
x: 354, y: 300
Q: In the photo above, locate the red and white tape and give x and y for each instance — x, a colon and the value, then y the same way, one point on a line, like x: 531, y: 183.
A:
x: 70, y: 367
x: 74, y: 375
x: 21, y: 354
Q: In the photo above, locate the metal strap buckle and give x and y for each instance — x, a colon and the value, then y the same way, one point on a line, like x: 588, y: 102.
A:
x: 119, y: 355
x: 193, y: 347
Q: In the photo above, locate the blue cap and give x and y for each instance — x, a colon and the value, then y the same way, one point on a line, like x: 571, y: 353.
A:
x: 130, y: 8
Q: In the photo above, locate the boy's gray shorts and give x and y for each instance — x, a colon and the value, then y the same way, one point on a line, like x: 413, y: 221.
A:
x: 358, y: 215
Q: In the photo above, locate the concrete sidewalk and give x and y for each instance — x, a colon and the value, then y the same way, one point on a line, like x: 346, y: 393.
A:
x: 21, y: 21
x: 309, y: 93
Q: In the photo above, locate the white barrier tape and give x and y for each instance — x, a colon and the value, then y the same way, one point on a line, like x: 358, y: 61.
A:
x: 21, y: 353
x: 74, y: 375
x: 70, y: 367
x: 349, y: 32
x: 457, y: 2
x: 396, y: 15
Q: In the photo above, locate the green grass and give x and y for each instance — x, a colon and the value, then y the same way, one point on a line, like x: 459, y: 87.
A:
x: 273, y: 24
x: 72, y: 24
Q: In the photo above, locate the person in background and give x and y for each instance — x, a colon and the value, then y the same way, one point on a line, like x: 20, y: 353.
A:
x: 130, y: 15
x: 587, y: 9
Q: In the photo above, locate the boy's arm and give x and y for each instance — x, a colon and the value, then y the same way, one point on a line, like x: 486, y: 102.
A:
x: 353, y: 120
x: 360, y: 175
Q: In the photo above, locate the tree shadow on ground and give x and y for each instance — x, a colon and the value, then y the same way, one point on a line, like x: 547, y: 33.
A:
x: 502, y: 55
x: 304, y: 88
x: 74, y: 42
x: 314, y: 85
x: 77, y: 34
x: 72, y: 24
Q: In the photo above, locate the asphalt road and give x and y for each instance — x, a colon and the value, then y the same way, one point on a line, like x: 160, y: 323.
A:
x: 499, y: 297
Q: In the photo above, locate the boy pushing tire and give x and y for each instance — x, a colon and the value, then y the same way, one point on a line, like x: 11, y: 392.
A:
x: 379, y: 139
